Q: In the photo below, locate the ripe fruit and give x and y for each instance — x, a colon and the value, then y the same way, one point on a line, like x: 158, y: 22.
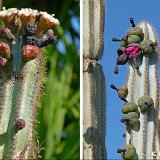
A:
x: 30, y: 52
x: 5, y: 51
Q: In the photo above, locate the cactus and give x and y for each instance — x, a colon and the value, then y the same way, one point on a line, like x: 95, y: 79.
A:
x: 143, y: 87
x: 93, y: 81
x: 22, y: 72
x: 142, y: 121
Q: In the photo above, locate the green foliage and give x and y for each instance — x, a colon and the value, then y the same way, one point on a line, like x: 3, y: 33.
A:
x: 58, y: 125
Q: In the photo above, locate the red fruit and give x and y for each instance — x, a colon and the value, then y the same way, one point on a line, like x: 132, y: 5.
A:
x: 5, y: 51
x: 20, y: 123
x: 133, y: 51
x: 30, y: 52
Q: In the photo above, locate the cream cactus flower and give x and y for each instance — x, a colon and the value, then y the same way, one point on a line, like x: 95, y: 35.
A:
x: 28, y: 16
x: 46, y: 22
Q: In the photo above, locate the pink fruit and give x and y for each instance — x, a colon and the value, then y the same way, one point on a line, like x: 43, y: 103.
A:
x: 30, y: 52
x: 133, y: 51
x: 5, y: 51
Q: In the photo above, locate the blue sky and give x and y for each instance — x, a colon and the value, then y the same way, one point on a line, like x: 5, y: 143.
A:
x: 116, y: 24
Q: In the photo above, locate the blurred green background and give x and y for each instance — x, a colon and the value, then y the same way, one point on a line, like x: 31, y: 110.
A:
x: 59, y: 112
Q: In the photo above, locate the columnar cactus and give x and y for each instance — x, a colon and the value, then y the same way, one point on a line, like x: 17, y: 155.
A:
x: 93, y: 81
x: 141, y: 111
x: 144, y: 90
x: 22, y: 72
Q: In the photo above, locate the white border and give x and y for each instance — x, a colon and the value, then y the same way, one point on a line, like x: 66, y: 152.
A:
x: 81, y: 79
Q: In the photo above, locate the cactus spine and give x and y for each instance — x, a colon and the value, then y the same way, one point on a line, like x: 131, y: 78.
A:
x: 93, y: 81
x: 145, y: 83
x: 22, y: 73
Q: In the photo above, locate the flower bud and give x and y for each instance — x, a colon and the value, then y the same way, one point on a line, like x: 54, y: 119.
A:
x: 20, y: 124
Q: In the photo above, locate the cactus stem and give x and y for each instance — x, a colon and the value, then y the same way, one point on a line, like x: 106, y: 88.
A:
x: 121, y: 150
x: 132, y: 22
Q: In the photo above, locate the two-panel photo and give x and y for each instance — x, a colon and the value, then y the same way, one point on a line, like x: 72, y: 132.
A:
x: 79, y: 80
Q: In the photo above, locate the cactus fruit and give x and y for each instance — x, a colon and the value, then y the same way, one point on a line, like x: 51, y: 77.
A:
x: 93, y: 81
x: 122, y: 91
x: 129, y: 107
x: 130, y: 119
x: 30, y: 52
x: 5, y: 51
x: 145, y: 103
x: 132, y: 49
x: 20, y: 124
x: 128, y: 152
x: 22, y: 73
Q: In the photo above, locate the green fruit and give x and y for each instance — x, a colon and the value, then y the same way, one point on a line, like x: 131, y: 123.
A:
x: 89, y: 135
x: 129, y: 107
x: 131, y: 119
x: 133, y: 39
x: 123, y: 92
x: 130, y: 152
x: 145, y: 103
x: 136, y: 31
x: 145, y: 46
x: 123, y: 44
